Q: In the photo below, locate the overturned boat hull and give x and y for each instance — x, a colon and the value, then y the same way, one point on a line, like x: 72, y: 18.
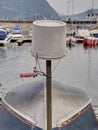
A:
x: 23, y: 108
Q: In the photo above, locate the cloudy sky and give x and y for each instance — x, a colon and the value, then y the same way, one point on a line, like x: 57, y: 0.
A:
x: 72, y: 6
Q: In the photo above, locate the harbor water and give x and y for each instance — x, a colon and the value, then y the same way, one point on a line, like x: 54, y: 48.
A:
x: 79, y: 68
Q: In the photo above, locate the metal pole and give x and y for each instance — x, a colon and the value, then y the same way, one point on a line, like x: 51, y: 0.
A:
x: 92, y: 12
x: 48, y: 95
x: 68, y: 2
x: 92, y: 5
x: 72, y: 7
x: 72, y: 10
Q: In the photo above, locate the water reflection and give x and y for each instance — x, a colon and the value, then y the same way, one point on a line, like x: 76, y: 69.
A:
x: 78, y: 68
x: 3, y: 52
x: 90, y: 46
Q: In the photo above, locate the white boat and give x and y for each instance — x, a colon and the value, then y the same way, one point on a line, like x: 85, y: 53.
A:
x: 23, y: 108
x: 70, y: 41
x: 16, y: 33
x: 92, y: 40
x: 5, y: 37
x: 94, y: 33
x: 80, y: 34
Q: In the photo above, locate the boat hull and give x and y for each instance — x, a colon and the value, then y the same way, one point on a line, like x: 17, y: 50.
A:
x: 85, y: 120
x: 5, y: 38
x: 91, y: 41
x: 23, y: 108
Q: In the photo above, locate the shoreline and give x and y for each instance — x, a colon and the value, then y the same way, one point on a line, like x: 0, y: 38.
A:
x: 26, y: 25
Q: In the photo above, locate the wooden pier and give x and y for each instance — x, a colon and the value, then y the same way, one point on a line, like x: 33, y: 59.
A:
x: 24, y: 40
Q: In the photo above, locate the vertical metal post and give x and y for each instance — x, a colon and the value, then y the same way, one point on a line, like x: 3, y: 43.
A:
x: 72, y: 7
x: 72, y: 10
x: 92, y: 12
x: 68, y: 14
x: 92, y: 5
x: 48, y: 95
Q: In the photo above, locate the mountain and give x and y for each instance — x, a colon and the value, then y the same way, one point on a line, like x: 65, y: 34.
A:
x: 84, y: 15
x: 26, y: 9
x: 80, y: 16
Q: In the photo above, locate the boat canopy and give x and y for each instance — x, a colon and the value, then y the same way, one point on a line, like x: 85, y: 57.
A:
x: 16, y: 29
x: 94, y: 31
x: 84, y: 32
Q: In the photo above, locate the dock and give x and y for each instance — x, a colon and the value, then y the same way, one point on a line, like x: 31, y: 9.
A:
x: 24, y: 40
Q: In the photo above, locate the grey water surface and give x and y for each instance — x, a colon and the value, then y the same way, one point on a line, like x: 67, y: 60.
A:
x: 79, y: 68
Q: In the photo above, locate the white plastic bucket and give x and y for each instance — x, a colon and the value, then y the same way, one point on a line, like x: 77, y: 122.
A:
x: 49, y: 39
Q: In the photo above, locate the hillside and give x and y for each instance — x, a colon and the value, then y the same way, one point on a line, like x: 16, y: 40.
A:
x: 79, y: 16
x: 26, y: 9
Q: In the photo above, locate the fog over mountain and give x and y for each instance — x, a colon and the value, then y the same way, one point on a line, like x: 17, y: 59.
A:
x: 26, y: 9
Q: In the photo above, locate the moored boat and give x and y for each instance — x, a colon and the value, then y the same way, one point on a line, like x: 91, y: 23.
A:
x: 16, y: 33
x: 5, y: 37
x: 93, y: 39
x: 94, y: 33
x: 70, y: 41
x: 80, y: 34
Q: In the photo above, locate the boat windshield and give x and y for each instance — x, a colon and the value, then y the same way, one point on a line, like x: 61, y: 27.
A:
x: 95, y: 35
x: 3, y: 35
x: 10, y: 122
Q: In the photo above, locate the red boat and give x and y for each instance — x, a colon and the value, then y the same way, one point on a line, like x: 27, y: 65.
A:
x: 92, y: 41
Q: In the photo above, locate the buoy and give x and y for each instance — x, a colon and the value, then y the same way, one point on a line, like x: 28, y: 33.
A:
x: 27, y: 75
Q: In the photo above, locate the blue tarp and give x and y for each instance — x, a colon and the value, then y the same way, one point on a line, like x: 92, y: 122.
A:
x: 17, y: 28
